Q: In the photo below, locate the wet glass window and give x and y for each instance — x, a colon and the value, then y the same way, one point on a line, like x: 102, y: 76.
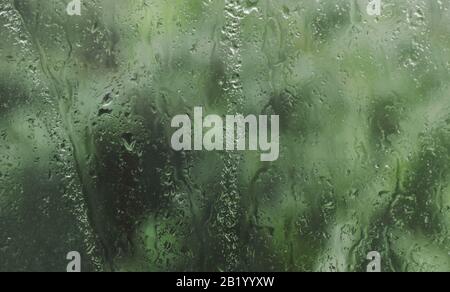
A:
x: 225, y: 135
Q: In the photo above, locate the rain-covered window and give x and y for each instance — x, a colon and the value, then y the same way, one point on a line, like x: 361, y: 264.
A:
x: 224, y: 135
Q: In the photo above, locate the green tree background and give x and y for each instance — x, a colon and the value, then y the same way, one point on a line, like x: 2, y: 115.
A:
x: 85, y: 158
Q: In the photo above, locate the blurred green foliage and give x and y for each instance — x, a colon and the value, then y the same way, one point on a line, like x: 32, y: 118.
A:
x: 85, y: 158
